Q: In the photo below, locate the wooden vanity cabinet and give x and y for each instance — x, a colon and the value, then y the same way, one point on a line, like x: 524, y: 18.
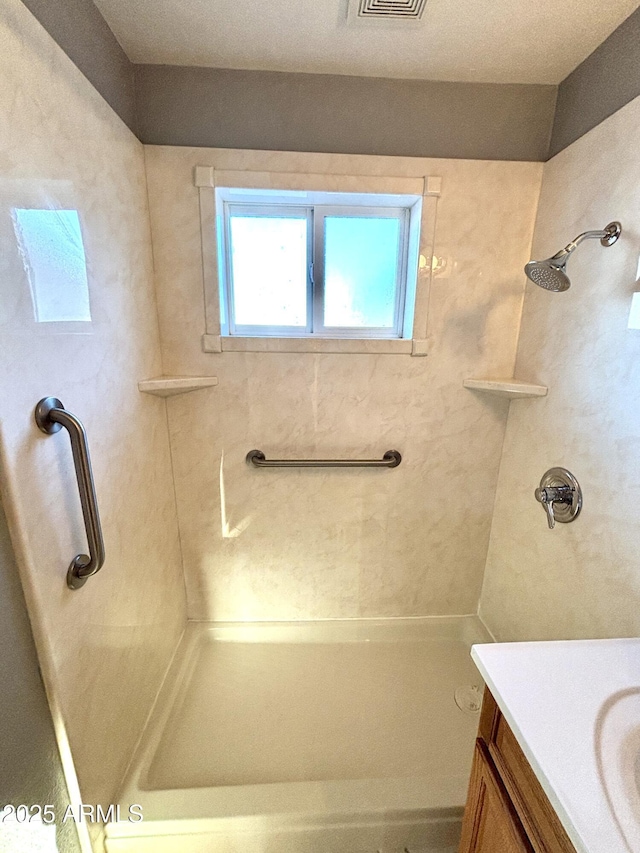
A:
x: 507, y: 811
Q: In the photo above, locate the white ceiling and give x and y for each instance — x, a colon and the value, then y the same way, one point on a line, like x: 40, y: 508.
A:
x: 496, y: 41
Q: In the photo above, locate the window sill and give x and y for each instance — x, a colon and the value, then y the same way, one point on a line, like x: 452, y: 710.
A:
x: 395, y: 346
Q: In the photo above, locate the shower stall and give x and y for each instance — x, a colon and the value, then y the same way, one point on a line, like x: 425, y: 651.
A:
x: 267, y: 650
x: 261, y: 658
x: 308, y: 737
x: 313, y: 736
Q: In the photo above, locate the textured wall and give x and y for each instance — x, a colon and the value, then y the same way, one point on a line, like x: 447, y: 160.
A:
x: 351, y: 115
x: 84, y: 35
x: 312, y: 544
x: 607, y: 80
x: 181, y: 105
x: 104, y: 649
x: 581, y: 579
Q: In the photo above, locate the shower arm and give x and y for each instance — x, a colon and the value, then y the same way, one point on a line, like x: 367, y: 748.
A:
x: 607, y: 237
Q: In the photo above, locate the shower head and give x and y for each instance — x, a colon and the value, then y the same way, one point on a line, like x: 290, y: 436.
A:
x: 551, y: 274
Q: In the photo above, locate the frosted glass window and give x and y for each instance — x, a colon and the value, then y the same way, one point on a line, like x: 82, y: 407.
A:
x: 50, y: 242
x: 269, y: 270
x: 361, y: 271
x: 336, y: 266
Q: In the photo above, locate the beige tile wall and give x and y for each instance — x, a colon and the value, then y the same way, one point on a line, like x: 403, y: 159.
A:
x: 316, y: 544
x: 104, y: 649
x: 581, y: 579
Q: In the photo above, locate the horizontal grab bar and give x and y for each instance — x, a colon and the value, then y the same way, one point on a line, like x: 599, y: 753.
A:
x: 51, y: 416
x: 391, y: 459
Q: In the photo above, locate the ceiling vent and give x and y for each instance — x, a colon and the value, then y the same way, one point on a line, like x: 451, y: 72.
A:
x: 390, y: 11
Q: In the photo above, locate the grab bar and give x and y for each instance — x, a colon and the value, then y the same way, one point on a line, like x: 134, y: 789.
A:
x: 391, y: 459
x: 51, y: 416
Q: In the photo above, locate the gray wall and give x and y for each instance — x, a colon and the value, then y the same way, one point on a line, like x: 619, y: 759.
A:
x: 86, y: 38
x: 350, y: 115
x: 604, y: 82
x: 353, y: 115
x: 31, y: 770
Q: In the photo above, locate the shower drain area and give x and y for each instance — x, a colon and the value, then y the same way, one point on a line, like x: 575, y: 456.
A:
x: 287, y: 711
x: 313, y: 738
x: 469, y: 699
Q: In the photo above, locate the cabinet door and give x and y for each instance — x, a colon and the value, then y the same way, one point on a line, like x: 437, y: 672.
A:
x: 490, y: 822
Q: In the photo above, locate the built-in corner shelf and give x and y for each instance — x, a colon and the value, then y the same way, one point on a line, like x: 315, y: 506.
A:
x: 514, y: 389
x: 170, y: 386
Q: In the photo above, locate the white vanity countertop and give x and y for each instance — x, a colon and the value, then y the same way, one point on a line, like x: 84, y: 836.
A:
x: 574, y: 707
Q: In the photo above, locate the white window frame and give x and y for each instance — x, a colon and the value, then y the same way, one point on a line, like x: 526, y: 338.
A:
x: 226, y: 274
x: 280, y: 205
x: 215, y: 186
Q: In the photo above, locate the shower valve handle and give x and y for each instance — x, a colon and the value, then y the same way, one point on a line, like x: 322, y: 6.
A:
x: 553, y: 494
x: 560, y: 495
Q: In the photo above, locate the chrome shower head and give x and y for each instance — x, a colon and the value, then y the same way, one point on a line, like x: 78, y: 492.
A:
x: 551, y: 274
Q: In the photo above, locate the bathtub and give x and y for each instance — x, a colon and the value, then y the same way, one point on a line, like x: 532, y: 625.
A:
x: 351, y: 736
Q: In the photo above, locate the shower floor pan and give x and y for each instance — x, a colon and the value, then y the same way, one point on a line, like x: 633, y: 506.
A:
x: 308, y: 737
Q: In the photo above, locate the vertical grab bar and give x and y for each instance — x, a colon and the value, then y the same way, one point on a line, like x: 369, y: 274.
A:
x: 51, y: 416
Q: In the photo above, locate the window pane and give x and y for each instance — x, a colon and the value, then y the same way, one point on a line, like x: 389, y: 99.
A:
x: 53, y: 255
x: 269, y: 267
x: 361, y: 262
